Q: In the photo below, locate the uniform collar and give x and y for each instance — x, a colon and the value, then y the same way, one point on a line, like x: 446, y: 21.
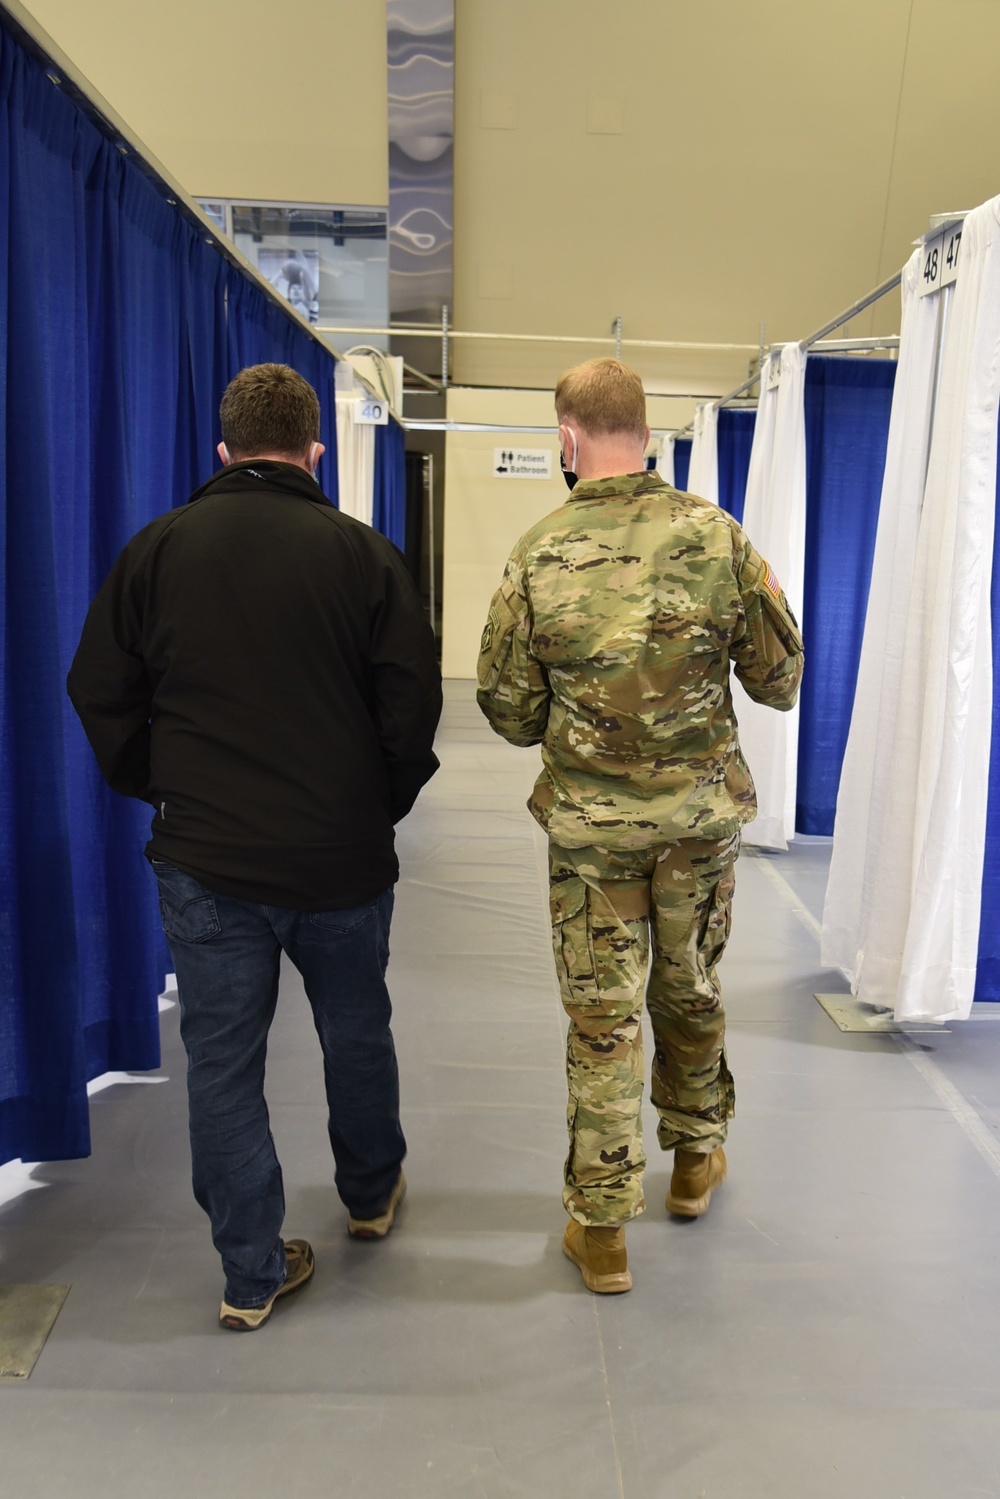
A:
x: 643, y: 482
x: 265, y: 474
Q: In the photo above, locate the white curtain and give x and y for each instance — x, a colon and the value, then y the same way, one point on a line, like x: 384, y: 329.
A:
x: 774, y: 518
x: 703, y: 476
x: 862, y: 885
x: 922, y: 927
x: 665, y: 467
x: 355, y: 461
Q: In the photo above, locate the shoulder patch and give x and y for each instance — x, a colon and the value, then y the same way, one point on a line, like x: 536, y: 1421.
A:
x: 490, y: 629
x: 771, y: 583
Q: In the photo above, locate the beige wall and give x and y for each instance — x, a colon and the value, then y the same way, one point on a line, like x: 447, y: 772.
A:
x: 242, y: 98
x: 484, y: 516
x: 700, y: 168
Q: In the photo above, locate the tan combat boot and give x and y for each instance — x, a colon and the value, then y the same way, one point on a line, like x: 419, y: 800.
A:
x: 601, y: 1257
x: 694, y: 1180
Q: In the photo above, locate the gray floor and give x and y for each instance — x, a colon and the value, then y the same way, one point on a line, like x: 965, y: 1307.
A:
x: 829, y: 1331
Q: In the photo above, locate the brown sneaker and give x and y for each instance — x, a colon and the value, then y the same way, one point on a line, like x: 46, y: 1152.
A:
x: 600, y: 1255
x: 695, y: 1178
x: 377, y: 1228
x: 299, y: 1267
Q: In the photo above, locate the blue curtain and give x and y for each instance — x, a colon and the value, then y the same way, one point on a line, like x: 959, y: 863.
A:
x: 260, y: 333
x: 682, y: 462
x: 847, y: 405
x: 735, y: 439
x: 117, y: 344
x: 988, y: 965
x: 389, y: 510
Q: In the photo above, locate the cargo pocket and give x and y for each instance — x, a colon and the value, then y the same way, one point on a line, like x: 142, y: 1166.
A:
x: 497, y: 642
x: 772, y: 621
x: 187, y: 909
x: 783, y: 621
x: 718, y: 919
x: 572, y: 943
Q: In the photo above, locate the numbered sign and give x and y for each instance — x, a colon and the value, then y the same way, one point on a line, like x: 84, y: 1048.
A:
x: 939, y: 265
x: 774, y: 372
x: 930, y: 266
x: 950, y: 243
x: 372, y: 413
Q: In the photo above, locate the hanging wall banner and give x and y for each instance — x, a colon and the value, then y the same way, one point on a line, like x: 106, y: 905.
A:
x: 421, y: 55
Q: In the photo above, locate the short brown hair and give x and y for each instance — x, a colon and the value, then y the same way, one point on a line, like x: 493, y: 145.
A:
x: 604, y: 396
x: 269, y: 408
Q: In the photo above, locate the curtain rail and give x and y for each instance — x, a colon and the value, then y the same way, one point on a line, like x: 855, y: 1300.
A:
x: 430, y: 424
x: 858, y: 345
x: 814, y: 339
x: 414, y: 330
x: 427, y: 381
x: 852, y: 311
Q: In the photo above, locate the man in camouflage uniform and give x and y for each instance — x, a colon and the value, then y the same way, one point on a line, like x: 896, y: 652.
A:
x: 609, y: 643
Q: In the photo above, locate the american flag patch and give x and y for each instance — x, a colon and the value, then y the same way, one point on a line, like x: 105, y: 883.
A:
x: 771, y: 583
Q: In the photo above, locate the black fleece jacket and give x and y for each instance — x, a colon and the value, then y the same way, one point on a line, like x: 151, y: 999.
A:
x: 258, y: 667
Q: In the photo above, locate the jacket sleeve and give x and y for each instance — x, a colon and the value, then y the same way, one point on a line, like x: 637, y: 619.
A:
x: 406, y: 682
x: 514, y: 691
x: 108, y: 684
x: 767, y: 652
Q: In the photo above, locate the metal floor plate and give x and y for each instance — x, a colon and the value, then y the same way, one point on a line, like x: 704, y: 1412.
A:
x: 850, y: 1014
x: 27, y: 1315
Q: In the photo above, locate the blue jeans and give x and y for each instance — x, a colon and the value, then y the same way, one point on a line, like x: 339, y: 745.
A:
x: 226, y: 956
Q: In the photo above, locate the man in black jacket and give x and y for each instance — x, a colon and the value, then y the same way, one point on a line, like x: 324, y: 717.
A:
x: 258, y: 667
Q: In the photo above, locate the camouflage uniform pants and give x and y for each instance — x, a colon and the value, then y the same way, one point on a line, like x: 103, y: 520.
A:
x: 606, y: 903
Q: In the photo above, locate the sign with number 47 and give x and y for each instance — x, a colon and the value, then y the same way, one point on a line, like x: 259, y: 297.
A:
x: 950, y: 244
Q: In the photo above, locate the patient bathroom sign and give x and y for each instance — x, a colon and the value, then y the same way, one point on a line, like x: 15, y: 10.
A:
x: 522, y: 463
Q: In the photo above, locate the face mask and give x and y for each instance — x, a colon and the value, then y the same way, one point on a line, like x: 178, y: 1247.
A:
x: 568, y: 473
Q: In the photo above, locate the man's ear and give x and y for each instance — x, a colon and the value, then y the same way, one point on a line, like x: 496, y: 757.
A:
x: 223, y: 453
x: 571, y: 458
x: 316, y: 451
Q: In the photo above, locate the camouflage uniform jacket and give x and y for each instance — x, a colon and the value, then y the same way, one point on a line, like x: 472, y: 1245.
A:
x: 609, y: 642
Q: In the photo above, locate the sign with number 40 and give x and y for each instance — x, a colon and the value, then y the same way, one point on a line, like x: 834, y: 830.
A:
x: 371, y: 412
